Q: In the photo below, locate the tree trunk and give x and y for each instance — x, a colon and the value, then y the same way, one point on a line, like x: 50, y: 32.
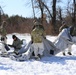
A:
x: 33, y: 8
x: 54, y: 15
x: 0, y: 18
x: 41, y: 8
x: 74, y: 14
x: 60, y: 16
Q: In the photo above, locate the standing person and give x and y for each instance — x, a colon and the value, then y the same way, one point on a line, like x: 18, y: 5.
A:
x: 64, y: 25
x: 36, y: 36
x: 3, y: 33
x: 17, y: 44
x: 40, y: 46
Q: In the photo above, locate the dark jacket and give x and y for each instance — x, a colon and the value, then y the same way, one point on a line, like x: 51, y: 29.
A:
x: 17, y: 44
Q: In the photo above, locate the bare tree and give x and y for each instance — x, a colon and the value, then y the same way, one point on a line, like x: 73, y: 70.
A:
x: 43, y: 6
x: 33, y: 8
x: 59, y: 14
x: 1, y: 12
x: 41, y: 9
x: 74, y: 13
x: 71, y: 10
x: 54, y: 13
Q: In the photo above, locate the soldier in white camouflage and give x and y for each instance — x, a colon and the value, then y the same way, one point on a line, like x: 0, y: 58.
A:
x: 64, y: 25
x: 36, y: 35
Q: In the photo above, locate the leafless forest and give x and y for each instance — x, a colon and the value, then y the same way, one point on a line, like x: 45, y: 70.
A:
x: 52, y: 15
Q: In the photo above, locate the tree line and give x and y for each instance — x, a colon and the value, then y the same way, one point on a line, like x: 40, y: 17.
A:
x: 52, y: 15
x: 20, y: 24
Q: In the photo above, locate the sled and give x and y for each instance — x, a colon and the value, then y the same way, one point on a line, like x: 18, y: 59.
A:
x: 48, y: 46
x: 25, y: 48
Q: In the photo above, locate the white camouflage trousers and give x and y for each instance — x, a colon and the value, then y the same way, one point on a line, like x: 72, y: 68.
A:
x: 38, y: 48
x: 2, y: 46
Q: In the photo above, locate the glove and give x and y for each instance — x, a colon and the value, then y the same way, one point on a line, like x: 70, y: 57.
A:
x: 11, y: 46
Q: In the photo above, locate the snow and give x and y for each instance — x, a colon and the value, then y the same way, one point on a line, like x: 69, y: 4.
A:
x: 54, y: 65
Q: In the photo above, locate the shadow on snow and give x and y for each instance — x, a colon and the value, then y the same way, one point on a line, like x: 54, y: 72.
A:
x: 57, y: 59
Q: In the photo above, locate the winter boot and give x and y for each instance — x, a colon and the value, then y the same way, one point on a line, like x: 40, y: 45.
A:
x: 63, y: 53
x: 52, y: 52
x: 69, y: 53
x: 37, y: 58
x: 33, y: 53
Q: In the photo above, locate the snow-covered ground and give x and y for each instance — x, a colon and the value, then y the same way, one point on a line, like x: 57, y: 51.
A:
x: 54, y: 65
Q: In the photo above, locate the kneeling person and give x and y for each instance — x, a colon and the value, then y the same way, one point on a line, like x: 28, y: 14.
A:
x: 17, y: 44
